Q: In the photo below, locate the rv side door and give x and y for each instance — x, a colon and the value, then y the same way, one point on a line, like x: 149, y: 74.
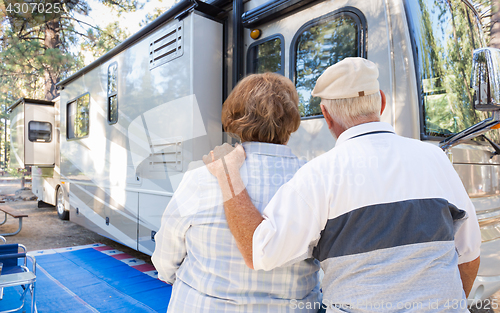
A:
x: 39, y: 135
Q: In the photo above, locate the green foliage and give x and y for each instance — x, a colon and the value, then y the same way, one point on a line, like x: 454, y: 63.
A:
x: 448, y: 34
x: 157, y: 12
x: 99, y: 41
x: 123, y: 6
x: 14, y: 172
x: 82, y: 116
x: 78, y: 124
x: 152, y: 16
x: 26, y: 60
x: 37, y: 55
x: 267, y: 57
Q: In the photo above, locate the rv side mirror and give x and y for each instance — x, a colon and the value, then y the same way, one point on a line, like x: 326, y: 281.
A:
x: 485, y: 79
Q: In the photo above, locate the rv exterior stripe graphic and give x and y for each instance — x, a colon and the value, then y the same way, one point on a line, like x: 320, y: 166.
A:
x: 388, y: 225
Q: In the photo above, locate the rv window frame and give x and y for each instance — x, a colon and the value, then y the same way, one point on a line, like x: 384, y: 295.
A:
x: 350, y: 11
x: 67, y: 117
x: 418, y: 73
x: 109, y: 95
x: 261, y: 41
x: 29, y: 131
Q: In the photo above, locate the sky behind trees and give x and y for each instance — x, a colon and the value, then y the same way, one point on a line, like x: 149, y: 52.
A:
x: 37, y: 49
x: 127, y: 22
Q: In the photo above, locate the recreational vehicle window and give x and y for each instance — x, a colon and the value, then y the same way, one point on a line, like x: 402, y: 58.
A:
x: 444, y: 34
x: 267, y: 55
x: 39, y: 131
x: 319, y: 44
x: 112, y: 93
x: 78, y: 117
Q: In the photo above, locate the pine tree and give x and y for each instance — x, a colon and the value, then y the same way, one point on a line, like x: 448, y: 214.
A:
x: 38, y: 50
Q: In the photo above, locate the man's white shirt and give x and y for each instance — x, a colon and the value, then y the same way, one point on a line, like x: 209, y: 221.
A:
x: 387, y: 217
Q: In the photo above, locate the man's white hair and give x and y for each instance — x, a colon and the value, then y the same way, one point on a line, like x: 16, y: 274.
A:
x: 350, y: 112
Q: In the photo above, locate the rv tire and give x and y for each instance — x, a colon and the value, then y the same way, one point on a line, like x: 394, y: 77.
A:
x: 61, y: 208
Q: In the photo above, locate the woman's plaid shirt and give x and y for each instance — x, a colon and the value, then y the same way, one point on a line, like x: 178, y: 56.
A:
x: 196, y: 252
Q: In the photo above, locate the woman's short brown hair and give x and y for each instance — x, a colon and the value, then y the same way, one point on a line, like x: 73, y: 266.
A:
x: 262, y: 107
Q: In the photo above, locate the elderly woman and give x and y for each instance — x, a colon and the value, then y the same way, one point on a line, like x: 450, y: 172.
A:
x: 195, y: 250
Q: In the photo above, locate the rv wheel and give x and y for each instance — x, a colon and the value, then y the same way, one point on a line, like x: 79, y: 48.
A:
x: 61, y: 209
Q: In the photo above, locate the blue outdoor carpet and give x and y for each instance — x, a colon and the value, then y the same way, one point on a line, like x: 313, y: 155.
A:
x: 93, y: 278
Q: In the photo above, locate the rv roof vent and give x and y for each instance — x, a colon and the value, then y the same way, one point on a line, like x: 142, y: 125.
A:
x: 166, y: 45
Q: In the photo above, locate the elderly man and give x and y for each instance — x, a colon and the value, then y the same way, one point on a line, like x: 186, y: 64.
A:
x: 387, y: 216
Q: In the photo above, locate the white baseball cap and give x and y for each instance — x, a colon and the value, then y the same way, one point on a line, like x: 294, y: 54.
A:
x: 349, y: 78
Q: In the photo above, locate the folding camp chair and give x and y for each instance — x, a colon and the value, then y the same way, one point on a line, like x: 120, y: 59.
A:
x: 14, y: 274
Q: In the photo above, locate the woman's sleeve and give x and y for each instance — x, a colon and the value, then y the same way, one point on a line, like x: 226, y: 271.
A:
x: 170, y: 248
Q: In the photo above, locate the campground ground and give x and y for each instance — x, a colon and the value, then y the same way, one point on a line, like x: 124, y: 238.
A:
x: 43, y: 229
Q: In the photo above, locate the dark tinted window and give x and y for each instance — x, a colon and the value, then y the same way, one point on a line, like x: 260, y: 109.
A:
x: 319, y: 46
x: 113, y: 93
x: 445, y: 33
x: 113, y: 109
x: 78, y: 117
x: 39, y: 131
x: 266, y: 56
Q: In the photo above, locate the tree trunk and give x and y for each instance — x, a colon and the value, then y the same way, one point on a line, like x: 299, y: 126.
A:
x: 52, y: 41
x: 495, y: 28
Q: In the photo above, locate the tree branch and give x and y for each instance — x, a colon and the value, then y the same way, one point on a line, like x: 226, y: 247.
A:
x: 96, y: 28
x: 78, y: 33
x: 31, y: 38
x: 80, y: 22
x: 19, y: 74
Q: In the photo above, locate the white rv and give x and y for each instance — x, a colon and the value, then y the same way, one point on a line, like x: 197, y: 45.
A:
x: 132, y: 121
x: 35, y: 138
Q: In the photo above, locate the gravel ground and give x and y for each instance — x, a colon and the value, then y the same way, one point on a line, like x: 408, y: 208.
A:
x: 44, y: 230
